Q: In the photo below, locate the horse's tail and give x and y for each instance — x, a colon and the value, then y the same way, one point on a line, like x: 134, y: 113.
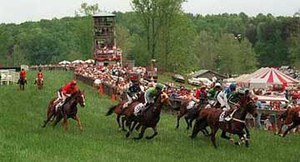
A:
x: 111, y: 110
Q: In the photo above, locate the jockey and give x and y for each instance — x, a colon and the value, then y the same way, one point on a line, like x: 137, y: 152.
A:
x: 224, y: 97
x: 65, y: 92
x: 203, y: 95
x: 40, y: 77
x: 213, y: 93
x: 22, y: 75
x: 151, y: 94
x: 133, y: 92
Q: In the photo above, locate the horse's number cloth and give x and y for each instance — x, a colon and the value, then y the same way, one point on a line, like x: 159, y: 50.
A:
x: 138, y: 108
x: 191, y: 105
x: 221, y: 118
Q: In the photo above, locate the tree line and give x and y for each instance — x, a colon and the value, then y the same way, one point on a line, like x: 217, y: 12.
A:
x: 180, y: 42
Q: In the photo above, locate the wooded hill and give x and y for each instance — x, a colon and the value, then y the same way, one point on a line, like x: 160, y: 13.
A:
x: 229, y: 43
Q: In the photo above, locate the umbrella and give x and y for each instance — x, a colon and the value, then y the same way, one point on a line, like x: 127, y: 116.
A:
x: 64, y: 62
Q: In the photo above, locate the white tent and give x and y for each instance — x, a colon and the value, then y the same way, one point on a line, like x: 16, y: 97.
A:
x: 89, y: 61
x: 64, y: 62
x: 77, y: 62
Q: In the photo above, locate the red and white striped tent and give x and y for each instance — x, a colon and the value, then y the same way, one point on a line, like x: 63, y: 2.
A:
x: 265, y: 77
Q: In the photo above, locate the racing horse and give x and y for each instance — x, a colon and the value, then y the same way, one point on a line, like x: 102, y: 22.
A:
x: 39, y: 83
x: 118, y: 110
x: 291, y: 118
x: 210, y: 117
x: 149, y: 118
x: 68, y: 110
x: 22, y: 83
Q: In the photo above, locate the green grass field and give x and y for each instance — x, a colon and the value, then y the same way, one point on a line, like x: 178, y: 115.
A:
x: 23, y: 139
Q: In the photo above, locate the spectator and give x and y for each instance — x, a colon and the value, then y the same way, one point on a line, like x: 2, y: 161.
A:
x: 258, y: 118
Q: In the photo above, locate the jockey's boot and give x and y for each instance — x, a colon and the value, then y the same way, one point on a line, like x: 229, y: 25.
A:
x: 228, y: 118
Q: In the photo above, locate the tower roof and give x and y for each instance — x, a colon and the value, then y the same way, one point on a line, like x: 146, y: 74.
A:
x: 103, y: 14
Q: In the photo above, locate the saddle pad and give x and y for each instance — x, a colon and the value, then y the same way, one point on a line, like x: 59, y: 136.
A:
x: 138, y: 108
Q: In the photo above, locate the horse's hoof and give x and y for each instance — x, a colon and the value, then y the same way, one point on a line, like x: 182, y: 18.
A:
x: 149, y: 138
x: 192, y: 137
x: 137, y: 138
x: 127, y: 134
x: 237, y: 143
x: 247, y: 145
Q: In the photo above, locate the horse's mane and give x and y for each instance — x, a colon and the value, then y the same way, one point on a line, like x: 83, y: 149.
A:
x: 245, y: 99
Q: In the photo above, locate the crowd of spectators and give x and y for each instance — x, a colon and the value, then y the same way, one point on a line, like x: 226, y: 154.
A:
x: 290, y: 71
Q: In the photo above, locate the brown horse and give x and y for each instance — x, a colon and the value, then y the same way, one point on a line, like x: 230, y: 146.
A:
x: 69, y: 110
x: 118, y: 109
x: 236, y: 125
x: 189, y: 114
x: 39, y: 83
x: 290, y: 117
x: 149, y: 118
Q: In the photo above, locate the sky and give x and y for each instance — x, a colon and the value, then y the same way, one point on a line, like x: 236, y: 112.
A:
x: 18, y: 11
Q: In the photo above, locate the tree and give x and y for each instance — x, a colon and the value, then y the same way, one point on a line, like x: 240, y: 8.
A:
x: 235, y: 57
x: 87, y: 10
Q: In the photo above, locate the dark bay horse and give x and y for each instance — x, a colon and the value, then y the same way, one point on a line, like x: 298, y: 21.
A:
x: 236, y: 125
x: 189, y: 114
x: 22, y: 83
x: 291, y: 118
x: 69, y: 110
x: 150, y: 117
x: 118, y: 110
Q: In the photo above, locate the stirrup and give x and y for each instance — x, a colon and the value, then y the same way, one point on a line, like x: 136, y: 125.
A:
x: 227, y: 118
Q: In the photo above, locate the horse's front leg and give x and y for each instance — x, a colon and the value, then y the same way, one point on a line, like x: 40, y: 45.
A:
x: 186, y: 118
x: 197, y: 127
x: 178, y: 119
x: 118, y: 120
x: 79, y: 122
x: 57, y: 119
x: 289, y: 128
x: 154, y: 134
x: 213, y: 136
x: 128, y: 124
x: 66, y: 123
x: 123, y: 119
x: 47, y: 120
x: 141, y: 133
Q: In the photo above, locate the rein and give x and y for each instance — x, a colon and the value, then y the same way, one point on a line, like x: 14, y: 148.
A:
x: 238, y: 120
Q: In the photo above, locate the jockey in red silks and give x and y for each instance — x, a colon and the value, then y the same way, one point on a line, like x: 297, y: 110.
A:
x: 40, y: 76
x: 22, y: 74
x: 65, y: 92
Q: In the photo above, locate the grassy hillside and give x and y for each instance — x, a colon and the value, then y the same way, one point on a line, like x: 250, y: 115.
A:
x: 23, y: 139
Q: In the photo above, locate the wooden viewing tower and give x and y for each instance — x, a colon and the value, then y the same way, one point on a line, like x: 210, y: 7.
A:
x: 105, y: 44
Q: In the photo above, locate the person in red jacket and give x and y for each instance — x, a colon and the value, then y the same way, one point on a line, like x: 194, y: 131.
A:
x: 22, y: 76
x: 65, y: 92
x: 201, y: 95
x: 40, y: 77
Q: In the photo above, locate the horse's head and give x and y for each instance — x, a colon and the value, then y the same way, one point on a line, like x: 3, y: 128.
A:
x: 80, y: 98
x: 251, y: 106
x: 164, y: 99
